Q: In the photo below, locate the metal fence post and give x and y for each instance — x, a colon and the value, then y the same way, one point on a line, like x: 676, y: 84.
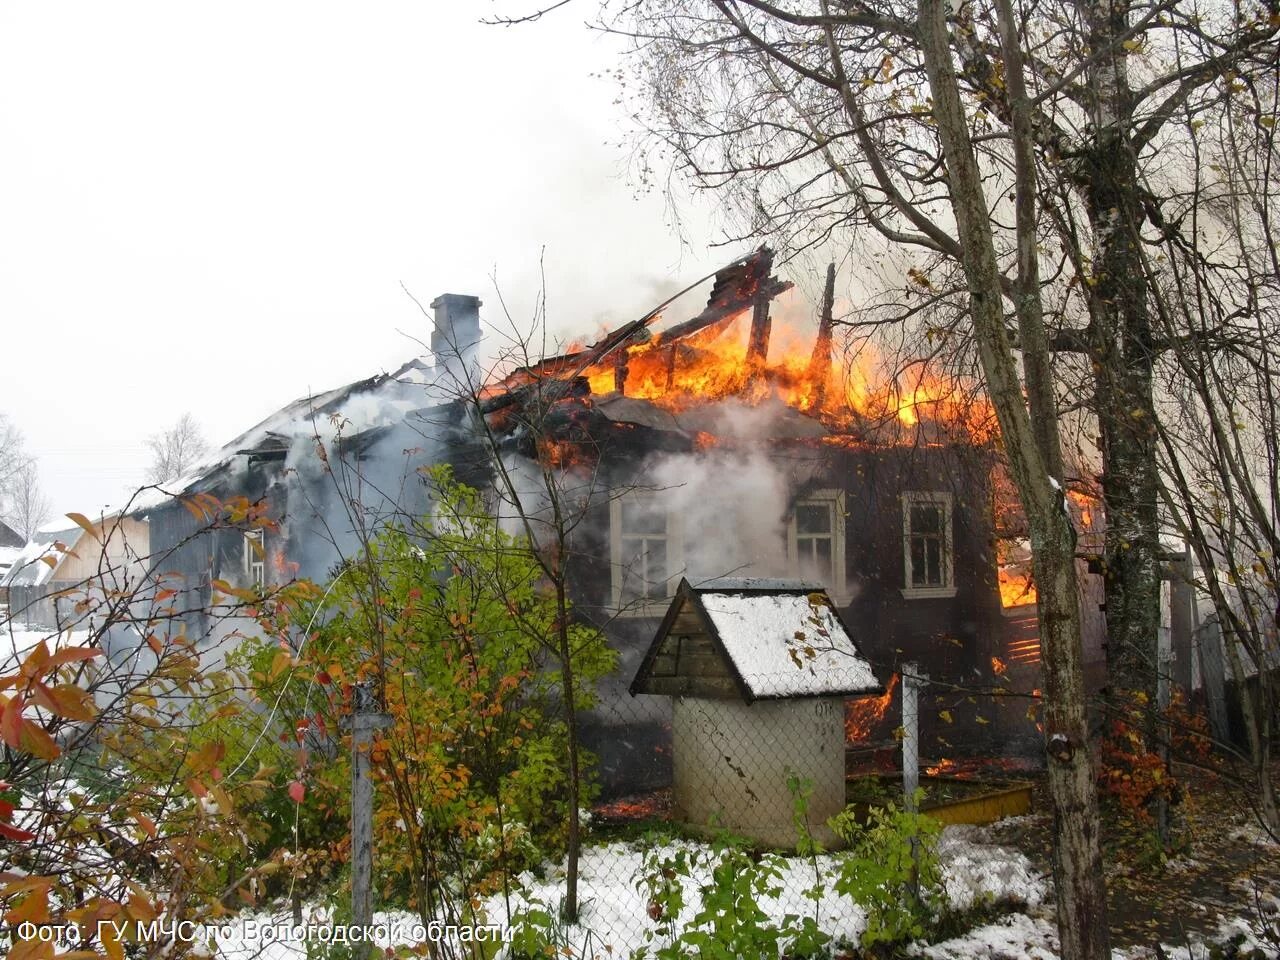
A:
x: 912, y: 681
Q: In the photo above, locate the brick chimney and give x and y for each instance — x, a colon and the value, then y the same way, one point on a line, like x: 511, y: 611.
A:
x: 456, y: 337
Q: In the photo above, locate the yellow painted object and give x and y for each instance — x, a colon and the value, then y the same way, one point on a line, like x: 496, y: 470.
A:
x: 991, y: 801
x: 1013, y: 800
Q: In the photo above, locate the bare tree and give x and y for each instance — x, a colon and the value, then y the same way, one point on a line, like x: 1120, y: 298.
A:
x: 1217, y: 307
x: 878, y: 121
x: 175, y: 451
x: 12, y: 454
x: 741, y: 96
x: 22, y: 505
x: 26, y: 507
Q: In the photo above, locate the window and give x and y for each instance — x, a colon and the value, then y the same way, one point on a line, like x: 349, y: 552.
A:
x: 646, y: 549
x: 255, y: 559
x: 926, y: 535
x: 815, y: 541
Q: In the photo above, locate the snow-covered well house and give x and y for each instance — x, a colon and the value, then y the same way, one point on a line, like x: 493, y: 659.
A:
x: 759, y: 671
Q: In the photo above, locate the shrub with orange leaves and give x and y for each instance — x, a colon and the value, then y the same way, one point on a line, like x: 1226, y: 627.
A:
x: 119, y: 801
x: 449, y: 620
x: 1135, y: 773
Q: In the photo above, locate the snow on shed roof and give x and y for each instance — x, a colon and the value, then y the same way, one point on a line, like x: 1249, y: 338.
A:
x: 28, y: 568
x: 779, y: 638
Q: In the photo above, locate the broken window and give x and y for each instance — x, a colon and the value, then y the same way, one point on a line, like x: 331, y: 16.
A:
x: 815, y: 540
x: 255, y: 559
x: 926, y: 521
x: 646, y: 549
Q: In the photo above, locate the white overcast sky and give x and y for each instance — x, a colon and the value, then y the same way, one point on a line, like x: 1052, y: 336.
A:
x: 211, y: 207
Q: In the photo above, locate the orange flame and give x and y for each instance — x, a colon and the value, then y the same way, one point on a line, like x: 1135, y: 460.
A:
x: 1017, y: 589
x: 861, y: 716
x: 713, y: 364
x: 945, y: 765
x: 283, y: 566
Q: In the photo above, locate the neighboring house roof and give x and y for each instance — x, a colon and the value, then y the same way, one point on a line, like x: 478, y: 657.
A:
x: 7, y: 556
x: 32, y: 567
x: 758, y: 639
x: 355, y: 408
x: 9, y: 537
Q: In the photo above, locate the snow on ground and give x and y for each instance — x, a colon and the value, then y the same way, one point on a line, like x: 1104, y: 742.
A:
x: 614, y: 916
x: 1015, y: 937
x: 614, y: 908
x: 973, y: 870
x: 246, y: 936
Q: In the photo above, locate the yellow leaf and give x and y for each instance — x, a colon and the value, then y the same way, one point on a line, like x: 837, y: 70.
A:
x: 224, y: 802
x: 34, y: 949
x: 34, y: 907
x: 110, y: 942
x: 65, y: 700
x: 37, y: 742
x: 140, y: 909
x: 81, y: 521
x: 280, y: 663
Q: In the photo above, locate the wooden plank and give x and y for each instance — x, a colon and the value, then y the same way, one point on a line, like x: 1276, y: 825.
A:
x: 664, y: 665
x: 713, y: 688
x: 697, y: 645
x: 703, y: 665
x: 688, y: 622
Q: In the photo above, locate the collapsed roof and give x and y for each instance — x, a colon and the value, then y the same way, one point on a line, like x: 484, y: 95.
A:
x: 693, y: 383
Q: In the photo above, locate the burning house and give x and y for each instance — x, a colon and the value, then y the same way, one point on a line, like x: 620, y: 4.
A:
x: 724, y: 446
x: 720, y: 445
x: 328, y: 469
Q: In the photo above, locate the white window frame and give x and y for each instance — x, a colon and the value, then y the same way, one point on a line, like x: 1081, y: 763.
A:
x: 255, y: 558
x: 948, y: 588
x: 834, y: 499
x: 617, y: 564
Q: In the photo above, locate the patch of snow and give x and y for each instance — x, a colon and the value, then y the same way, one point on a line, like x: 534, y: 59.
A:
x: 245, y: 937
x: 775, y: 645
x: 614, y: 908
x: 1252, y: 833
x: 974, y: 872
x: 1015, y: 937
x: 28, y: 569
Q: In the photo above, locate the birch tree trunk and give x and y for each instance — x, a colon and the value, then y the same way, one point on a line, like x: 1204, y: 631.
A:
x: 1077, y: 853
x: 1123, y: 353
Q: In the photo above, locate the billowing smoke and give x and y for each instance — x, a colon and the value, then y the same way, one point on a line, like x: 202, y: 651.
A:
x: 732, y: 507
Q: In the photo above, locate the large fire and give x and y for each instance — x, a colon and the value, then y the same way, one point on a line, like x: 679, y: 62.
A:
x: 717, y: 362
x: 862, y: 715
x: 1017, y: 588
x: 736, y: 348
